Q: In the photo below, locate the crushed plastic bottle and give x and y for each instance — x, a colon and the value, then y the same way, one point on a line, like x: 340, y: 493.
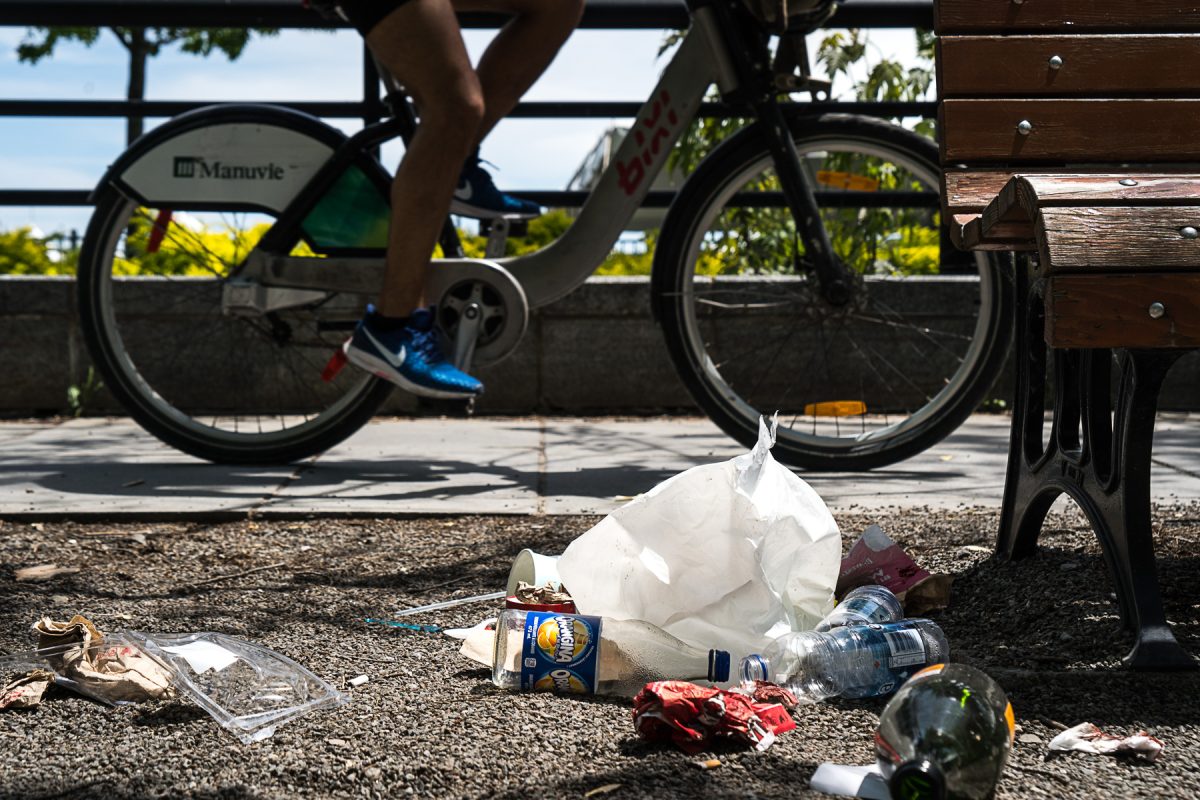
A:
x: 853, y: 661
x: 862, y: 606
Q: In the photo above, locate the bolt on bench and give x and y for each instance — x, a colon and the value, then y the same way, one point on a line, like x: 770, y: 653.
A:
x: 1070, y: 136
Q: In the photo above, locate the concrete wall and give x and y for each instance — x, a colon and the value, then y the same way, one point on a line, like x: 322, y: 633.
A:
x: 596, y: 351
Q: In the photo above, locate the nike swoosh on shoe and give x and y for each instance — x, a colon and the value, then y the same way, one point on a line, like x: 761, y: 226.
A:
x: 392, y: 358
x: 465, y: 191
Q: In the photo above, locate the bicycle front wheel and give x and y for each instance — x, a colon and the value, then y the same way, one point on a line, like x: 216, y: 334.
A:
x: 856, y: 386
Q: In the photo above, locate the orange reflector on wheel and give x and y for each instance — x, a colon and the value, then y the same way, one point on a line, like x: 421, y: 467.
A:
x: 847, y: 180
x: 836, y: 408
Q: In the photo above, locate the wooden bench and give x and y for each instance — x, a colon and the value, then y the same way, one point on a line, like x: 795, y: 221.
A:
x: 1070, y: 139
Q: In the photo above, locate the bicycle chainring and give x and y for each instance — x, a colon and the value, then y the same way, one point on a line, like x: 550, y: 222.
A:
x: 459, y: 287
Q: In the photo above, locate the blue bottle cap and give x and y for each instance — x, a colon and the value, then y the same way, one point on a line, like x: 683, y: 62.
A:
x: 718, y: 666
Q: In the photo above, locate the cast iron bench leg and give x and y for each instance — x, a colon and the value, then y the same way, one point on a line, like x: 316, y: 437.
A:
x: 1103, y: 465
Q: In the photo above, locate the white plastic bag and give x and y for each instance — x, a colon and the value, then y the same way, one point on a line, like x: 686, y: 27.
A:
x: 724, y: 556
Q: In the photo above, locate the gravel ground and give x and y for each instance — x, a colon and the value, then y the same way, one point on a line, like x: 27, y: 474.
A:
x: 431, y: 724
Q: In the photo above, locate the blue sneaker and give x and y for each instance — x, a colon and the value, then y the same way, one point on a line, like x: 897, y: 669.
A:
x: 410, y: 357
x: 478, y: 197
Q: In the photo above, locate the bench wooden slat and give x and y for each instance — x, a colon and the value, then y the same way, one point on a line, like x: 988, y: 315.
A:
x: 997, y: 66
x: 971, y: 16
x: 969, y: 192
x: 1113, y: 188
x: 1129, y: 238
x: 1067, y: 131
x: 1089, y: 311
x: 971, y: 233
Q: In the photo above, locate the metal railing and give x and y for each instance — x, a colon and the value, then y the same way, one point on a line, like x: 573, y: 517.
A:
x: 598, y: 14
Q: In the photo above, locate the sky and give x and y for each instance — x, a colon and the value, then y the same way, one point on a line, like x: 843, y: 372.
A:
x: 71, y: 153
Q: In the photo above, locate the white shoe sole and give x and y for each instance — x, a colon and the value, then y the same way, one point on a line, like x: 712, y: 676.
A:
x: 463, y: 209
x: 381, y: 369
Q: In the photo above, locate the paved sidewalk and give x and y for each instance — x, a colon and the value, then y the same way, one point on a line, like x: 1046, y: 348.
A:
x: 536, y: 465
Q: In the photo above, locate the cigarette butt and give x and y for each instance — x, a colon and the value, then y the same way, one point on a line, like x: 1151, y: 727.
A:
x: 712, y: 763
x: 358, y: 681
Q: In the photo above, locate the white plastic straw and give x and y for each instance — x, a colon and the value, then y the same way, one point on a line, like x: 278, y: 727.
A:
x: 461, y: 601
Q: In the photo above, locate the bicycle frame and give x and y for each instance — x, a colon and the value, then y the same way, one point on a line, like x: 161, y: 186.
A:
x: 549, y: 274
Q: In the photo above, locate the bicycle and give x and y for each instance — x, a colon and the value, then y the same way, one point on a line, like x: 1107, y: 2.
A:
x: 256, y: 234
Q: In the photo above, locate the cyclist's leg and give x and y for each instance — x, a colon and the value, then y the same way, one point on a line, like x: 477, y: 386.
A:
x: 514, y: 59
x: 421, y: 45
x: 521, y: 51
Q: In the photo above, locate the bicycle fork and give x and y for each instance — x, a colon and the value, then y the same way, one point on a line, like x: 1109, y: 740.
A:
x: 759, y: 78
x: 832, y: 276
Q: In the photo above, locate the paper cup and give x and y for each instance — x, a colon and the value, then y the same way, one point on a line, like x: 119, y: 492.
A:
x: 567, y: 607
x: 532, y: 568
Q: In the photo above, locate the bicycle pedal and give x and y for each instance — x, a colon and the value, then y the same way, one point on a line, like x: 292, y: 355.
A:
x: 335, y: 364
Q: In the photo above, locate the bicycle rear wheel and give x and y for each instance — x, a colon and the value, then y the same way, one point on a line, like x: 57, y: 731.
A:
x: 229, y: 388
x: 227, y: 377
x: 857, y: 386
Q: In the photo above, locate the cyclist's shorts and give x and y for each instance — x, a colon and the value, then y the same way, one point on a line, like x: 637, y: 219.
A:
x: 366, y: 14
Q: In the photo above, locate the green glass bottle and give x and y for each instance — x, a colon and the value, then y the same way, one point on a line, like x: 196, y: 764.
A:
x: 945, y: 735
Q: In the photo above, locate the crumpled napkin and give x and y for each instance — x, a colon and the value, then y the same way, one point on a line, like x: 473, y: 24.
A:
x: 26, y: 691
x: 1087, y: 738
x: 691, y: 716
x: 119, y: 673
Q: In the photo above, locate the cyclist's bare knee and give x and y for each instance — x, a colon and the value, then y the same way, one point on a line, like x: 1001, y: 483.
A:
x: 456, y: 112
x: 421, y: 45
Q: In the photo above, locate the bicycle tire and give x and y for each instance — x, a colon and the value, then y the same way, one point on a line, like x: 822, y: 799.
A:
x: 227, y: 388
x: 746, y: 338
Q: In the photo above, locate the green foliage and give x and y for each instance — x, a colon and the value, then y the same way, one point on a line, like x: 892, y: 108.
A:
x: 627, y: 264
x: 886, y: 79
x: 186, y: 248
x: 80, y: 395
x: 40, y: 43
x: 873, y: 241
x: 548, y: 227
x: 23, y: 253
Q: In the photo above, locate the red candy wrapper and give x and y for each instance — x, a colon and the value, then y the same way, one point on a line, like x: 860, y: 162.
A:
x: 691, y: 716
x: 767, y: 692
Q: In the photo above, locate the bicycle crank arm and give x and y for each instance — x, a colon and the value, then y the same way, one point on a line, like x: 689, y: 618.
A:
x: 481, y: 307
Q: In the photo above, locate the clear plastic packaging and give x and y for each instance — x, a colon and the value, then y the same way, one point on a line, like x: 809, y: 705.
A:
x: 248, y: 689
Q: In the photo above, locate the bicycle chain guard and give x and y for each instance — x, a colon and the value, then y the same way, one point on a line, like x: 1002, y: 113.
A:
x: 480, y: 296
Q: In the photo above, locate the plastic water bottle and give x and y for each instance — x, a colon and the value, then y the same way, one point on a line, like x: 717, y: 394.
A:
x: 852, y: 661
x: 862, y: 606
x: 547, y: 651
x: 945, y: 735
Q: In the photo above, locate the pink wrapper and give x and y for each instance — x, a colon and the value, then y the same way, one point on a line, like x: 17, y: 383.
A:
x: 876, y: 559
